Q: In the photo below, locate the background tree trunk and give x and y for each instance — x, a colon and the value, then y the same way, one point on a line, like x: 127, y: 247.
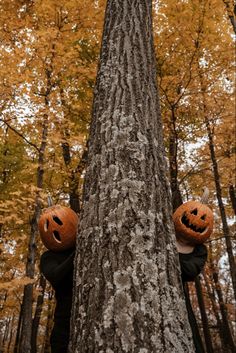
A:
x: 37, y: 315
x: 229, y: 344
x: 231, y: 12
x: 50, y: 310
x: 232, y: 195
x: 18, y: 331
x: 128, y: 294
x: 173, y: 162
x: 25, y: 339
x: 216, y: 174
x: 229, y: 341
x: 211, y: 295
x: 10, y: 335
x: 205, y: 325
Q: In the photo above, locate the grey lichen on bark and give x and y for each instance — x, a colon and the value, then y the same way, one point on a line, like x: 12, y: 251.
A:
x: 128, y: 292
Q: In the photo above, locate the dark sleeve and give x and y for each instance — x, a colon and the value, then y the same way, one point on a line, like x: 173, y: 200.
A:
x: 54, y: 271
x: 192, y: 264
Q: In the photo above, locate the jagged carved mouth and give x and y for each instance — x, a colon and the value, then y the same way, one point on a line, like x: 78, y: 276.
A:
x: 191, y: 226
x: 56, y: 236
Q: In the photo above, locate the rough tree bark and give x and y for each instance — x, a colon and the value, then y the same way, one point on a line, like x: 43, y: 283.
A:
x: 128, y: 294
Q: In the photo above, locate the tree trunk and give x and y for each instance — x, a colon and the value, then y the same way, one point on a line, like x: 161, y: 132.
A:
x: 6, y: 332
x: 25, y: 340
x: 229, y: 341
x: 173, y: 164
x: 46, y: 344
x: 66, y: 152
x: 215, y: 310
x: 11, y: 335
x: 18, y: 331
x: 222, y: 208
x: 73, y: 180
x: 128, y: 291
x: 228, y: 337
x: 226, y: 231
x: 231, y: 12
x: 205, y: 325
x: 37, y: 315
x: 232, y: 195
x: 74, y: 175
x: 199, y: 347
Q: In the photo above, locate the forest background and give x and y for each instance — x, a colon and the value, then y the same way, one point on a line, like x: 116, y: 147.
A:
x: 48, y: 60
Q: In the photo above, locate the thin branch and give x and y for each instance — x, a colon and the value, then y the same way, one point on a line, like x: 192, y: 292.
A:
x: 21, y: 135
x: 222, y: 237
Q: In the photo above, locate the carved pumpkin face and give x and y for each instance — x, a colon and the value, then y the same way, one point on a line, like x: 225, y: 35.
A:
x: 58, y: 228
x: 193, y: 222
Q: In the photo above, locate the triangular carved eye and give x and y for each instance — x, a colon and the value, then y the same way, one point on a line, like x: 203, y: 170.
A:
x: 194, y: 211
x: 203, y: 217
x: 57, y: 220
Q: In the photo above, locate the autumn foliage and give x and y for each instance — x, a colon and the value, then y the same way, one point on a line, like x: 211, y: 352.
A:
x: 48, y: 61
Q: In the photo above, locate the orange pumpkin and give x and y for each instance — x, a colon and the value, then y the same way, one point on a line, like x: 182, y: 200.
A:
x: 58, y: 227
x: 193, y: 222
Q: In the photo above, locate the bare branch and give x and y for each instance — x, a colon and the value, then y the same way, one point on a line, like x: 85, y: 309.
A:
x: 21, y: 135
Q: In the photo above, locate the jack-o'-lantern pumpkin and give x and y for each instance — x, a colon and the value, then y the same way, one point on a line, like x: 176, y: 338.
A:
x: 58, y: 228
x: 193, y: 221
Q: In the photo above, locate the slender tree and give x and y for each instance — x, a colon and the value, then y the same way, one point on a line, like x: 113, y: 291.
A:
x: 25, y: 340
x: 211, y: 295
x: 229, y: 344
x: 226, y: 231
x: 231, y: 12
x: 232, y: 195
x: 37, y: 314
x: 128, y: 295
x: 205, y: 323
x: 50, y: 309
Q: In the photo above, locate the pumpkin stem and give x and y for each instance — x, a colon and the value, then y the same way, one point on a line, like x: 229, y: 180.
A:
x: 205, y: 195
x: 50, y: 202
